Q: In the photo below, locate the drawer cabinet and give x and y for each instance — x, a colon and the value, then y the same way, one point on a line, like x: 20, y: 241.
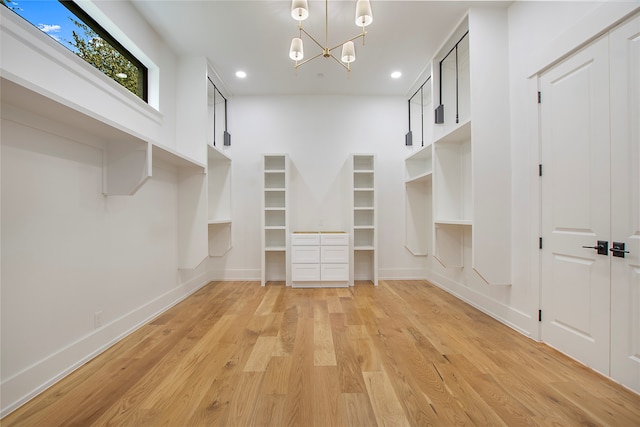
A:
x: 320, y: 259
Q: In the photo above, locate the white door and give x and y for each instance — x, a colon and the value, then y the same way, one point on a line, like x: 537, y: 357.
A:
x: 625, y: 199
x: 575, y: 185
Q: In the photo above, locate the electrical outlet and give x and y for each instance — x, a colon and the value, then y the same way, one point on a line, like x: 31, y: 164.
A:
x: 97, y: 319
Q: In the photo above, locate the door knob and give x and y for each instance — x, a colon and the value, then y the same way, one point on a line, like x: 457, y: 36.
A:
x: 602, y: 247
x: 617, y: 249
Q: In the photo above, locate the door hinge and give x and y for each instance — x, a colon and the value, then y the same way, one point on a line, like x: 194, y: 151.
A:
x: 539, y: 97
x: 540, y: 170
x: 539, y: 242
x: 539, y: 315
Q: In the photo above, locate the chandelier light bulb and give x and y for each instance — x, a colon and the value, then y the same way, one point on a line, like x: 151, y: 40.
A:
x: 297, y: 51
x: 348, y: 52
x: 299, y: 10
x: 364, y: 16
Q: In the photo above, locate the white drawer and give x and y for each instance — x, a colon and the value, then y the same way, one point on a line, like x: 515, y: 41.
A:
x: 305, y: 272
x: 305, y: 254
x: 335, y: 239
x: 305, y: 239
x: 334, y: 272
x: 334, y: 254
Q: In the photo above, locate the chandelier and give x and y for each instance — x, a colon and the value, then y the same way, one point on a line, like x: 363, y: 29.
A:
x: 300, y: 12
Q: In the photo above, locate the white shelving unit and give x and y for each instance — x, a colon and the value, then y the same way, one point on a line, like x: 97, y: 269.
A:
x: 275, y: 218
x: 471, y: 156
x: 364, y: 265
x: 219, y: 201
x: 418, y: 201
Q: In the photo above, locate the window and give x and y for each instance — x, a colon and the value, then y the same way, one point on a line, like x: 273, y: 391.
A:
x: 67, y: 23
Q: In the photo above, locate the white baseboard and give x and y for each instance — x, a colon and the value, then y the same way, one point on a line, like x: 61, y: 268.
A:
x: 401, y: 274
x: 251, y: 275
x: 35, y: 379
x: 515, y: 319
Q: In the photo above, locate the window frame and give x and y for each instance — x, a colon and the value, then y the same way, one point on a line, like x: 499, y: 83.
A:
x: 143, y: 74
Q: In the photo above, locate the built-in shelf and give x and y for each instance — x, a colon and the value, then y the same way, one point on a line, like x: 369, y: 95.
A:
x: 275, y: 221
x: 419, y: 165
x: 364, y: 265
x: 418, y: 200
x: 219, y: 201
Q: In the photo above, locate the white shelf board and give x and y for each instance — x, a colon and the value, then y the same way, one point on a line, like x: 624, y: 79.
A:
x: 364, y: 208
x: 422, y: 153
x: 364, y: 248
x: 460, y: 133
x: 171, y: 156
x: 363, y: 189
x: 274, y: 171
x: 275, y: 249
x: 274, y: 189
x: 363, y: 171
x: 363, y: 227
x: 275, y: 227
x: 214, y: 153
x: 219, y: 221
x: 453, y: 222
x: 415, y: 253
x: 419, y: 178
x: 275, y: 209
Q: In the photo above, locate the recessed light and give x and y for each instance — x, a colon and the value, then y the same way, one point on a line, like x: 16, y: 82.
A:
x: 396, y: 75
x: 121, y: 75
x: 241, y: 74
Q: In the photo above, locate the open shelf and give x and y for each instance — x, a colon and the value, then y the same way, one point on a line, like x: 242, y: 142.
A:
x: 419, y: 165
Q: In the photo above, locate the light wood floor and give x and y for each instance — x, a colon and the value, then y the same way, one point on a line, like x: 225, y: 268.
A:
x: 404, y: 353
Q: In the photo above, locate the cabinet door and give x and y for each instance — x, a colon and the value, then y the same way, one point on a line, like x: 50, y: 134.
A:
x: 334, y: 254
x: 305, y: 272
x: 334, y: 272
x: 305, y: 254
x: 305, y: 239
x: 337, y: 239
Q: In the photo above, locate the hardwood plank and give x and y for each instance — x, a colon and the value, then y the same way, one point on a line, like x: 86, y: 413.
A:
x: 383, y: 398
x: 324, y: 353
x: 261, y: 354
x: 357, y: 410
x: 243, y: 401
x: 276, y: 379
x: 299, y: 403
x: 326, y: 397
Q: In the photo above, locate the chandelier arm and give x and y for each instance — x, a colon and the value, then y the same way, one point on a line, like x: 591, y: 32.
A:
x: 312, y: 38
x: 307, y: 60
x: 350, y: 40
x: 340, y: 62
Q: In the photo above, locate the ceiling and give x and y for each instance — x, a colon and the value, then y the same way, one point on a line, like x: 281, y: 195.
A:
x: 254, y: 36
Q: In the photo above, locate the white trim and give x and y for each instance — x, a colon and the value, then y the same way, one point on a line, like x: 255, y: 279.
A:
x: 596, y: 23
x: 401, y: 273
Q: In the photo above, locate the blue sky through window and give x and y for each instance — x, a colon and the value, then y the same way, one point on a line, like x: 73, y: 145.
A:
x: 50, y: 16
